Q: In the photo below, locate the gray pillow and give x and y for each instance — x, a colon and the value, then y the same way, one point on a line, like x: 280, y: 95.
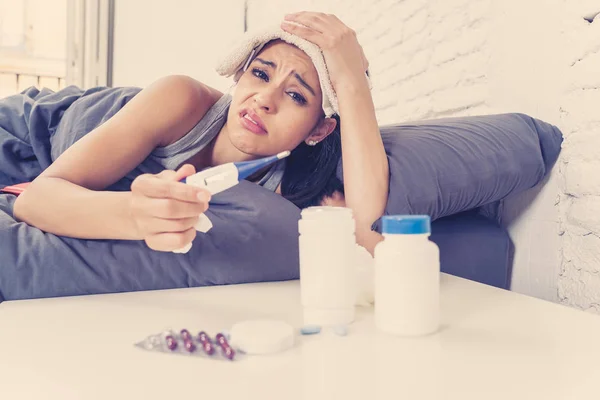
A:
x: 446, y: 166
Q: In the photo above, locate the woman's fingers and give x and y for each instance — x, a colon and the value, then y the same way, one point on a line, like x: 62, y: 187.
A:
x: 326, y: 31
x: 316, y: 21
x: 162, y: 225
x: 169, y: 208
x: 183, y: 172
x: 170, y: 241
x: 306, y: 33
x: 326, y: 23
x: 165, y: 187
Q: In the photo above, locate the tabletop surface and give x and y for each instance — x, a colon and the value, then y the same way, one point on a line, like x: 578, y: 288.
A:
x: 493, y: 344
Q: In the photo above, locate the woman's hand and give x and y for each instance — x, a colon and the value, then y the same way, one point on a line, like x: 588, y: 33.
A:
x: 165, y: 210
x: 343, y: 54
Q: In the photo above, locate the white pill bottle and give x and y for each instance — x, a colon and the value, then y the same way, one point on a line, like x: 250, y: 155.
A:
x: 327, y: 246
x: 407, y: 277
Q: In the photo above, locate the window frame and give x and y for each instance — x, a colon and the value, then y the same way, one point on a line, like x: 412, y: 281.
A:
x: 90, y: 35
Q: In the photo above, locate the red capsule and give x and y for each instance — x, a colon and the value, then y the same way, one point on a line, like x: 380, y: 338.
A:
x: 208, y: 348
x: 221, y: 339
x: 189, y: 346
x: 228, y: 352
x: 185, y: 334
x: 204, y: 338
x: 171, y: 342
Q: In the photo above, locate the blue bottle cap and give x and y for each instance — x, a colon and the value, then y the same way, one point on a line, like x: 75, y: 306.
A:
x: 406, y: 224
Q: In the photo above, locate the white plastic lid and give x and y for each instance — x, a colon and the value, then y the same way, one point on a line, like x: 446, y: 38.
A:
x: 262, y: 336
x: 326, y: 218
x: 327, y: 212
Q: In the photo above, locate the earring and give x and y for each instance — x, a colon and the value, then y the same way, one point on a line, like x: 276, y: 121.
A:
x: 312, y: 142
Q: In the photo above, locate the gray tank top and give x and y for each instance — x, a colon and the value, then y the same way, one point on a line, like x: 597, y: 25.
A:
x: 177, y: 153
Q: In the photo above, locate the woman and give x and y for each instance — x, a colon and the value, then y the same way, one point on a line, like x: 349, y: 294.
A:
x: 272, y: 110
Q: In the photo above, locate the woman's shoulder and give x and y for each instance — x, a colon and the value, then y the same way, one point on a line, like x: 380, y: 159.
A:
x: 193, y: 99
x: 191, y: 88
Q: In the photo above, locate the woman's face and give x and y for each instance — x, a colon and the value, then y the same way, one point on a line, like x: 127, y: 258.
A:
x: 277, y: 103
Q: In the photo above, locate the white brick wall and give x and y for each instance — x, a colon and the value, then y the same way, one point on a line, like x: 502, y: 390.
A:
x: 579, y: 281
x: 440, y: 58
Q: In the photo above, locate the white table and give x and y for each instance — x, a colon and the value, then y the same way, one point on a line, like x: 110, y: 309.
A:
x: 494, y: 345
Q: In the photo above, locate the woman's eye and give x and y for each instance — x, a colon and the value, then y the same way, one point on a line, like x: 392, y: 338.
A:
x: 298, y: 98
x: 260, y: 74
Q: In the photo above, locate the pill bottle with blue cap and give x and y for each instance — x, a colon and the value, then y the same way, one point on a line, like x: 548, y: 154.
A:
x: 407, y: 277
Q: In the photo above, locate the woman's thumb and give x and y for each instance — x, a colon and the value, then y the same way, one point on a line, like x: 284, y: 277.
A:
x: 184, y: 172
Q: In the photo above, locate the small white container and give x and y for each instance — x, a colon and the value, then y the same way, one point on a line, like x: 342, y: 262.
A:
x: 407, y: 277
x: 327, y: 265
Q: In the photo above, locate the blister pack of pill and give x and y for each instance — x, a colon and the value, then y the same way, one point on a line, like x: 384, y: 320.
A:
x: 244, y: 339
x: 185, y: 343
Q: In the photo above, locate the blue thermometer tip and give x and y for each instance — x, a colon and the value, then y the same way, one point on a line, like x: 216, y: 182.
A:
x: 247, y: 168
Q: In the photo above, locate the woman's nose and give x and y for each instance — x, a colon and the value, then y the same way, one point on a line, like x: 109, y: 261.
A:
x: 266, y: 100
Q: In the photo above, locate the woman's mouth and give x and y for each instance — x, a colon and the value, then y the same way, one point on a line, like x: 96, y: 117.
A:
x: 252, y: 124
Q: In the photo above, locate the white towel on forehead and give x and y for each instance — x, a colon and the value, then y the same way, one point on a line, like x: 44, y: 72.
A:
x: 252, y: 42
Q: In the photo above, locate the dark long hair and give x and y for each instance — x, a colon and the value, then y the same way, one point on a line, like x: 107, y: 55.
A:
x: 310, y: 172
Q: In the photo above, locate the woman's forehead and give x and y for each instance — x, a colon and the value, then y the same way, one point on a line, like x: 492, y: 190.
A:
x: 283, y: 51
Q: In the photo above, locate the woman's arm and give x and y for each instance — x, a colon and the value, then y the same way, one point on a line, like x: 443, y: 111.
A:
x: 67, y: 198
x: 366, y: 169
x: 365, y: 164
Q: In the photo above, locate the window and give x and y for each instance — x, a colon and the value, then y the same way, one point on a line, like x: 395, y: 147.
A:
x: 12, y: 25
x: 32, y: 44
x: 54, y: 43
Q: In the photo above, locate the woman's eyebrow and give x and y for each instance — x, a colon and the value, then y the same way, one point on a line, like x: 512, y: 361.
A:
x: 269, y: 63
x: 302, y: 81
